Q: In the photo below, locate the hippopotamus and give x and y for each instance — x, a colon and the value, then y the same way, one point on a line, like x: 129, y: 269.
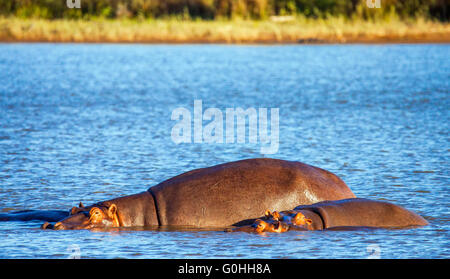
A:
x: 217, y: 196
x: 262, y: 226
x: 29, y: 215
x: 339, y: 214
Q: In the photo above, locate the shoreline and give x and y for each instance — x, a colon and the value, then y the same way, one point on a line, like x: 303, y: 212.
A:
x: 303, y: 31
x: 397, y: 41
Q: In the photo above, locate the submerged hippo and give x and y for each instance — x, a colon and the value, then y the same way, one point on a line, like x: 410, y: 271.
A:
x: 340, y: 214
x: 262, y: 226
x: 28, y: 215
x: 217, y: 196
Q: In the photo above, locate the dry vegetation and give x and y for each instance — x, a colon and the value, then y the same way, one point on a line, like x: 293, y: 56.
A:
x: 225, y: 21
x: 290, y: 30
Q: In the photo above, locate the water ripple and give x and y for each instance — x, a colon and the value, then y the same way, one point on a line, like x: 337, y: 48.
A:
x: 92, y: 122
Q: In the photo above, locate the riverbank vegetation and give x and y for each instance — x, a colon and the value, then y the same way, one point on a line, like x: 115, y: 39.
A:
x: 225, y: 21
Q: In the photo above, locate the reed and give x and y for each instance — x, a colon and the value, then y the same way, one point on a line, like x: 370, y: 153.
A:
x: 274, y: 30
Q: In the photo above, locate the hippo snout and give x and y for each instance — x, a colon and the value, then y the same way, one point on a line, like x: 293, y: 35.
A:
x: 59, y: 226
x: 47, y: 226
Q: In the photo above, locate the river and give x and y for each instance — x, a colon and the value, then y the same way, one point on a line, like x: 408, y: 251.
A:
x: 90, y: 122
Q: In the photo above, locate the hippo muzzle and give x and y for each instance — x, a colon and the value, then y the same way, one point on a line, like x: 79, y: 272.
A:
x: 74, y: 222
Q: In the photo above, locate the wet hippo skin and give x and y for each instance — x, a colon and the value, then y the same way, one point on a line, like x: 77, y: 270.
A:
x: 346, y: 214
x: 29, y: 215
x: 225, y: 194
x: 216, y: 196
x: 359, y: 212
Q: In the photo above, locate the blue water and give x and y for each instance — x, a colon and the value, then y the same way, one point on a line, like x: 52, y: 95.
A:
x: 93, y: 122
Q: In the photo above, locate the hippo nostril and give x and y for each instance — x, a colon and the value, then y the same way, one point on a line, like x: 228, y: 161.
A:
x: 58, y: 226
x: 46, y: 226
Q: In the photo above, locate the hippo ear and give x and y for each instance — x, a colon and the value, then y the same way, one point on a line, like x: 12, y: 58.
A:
x: 112, y: 210
x: 74, y: 210
x: 81, y: 205
x: 276, y: 215
x: 267, y: 213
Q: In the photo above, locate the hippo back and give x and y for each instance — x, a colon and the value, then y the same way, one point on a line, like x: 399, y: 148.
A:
x: 359, y: 212
x: 225, y: 194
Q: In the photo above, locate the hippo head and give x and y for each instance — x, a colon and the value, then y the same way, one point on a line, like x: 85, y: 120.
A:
x: 97, y: 216
x: 291, y: 217
x: 300, y: 220
x: 275, y: 226
x: 273, y: 215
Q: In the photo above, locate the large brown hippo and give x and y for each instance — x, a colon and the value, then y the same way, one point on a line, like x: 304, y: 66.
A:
x: 216, y: 196
x: 340, y: 214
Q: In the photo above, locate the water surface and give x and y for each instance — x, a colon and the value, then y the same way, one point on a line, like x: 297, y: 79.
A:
x: 93, y: 122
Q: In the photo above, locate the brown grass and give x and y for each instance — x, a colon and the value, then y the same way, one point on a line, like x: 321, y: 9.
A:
x: 296, y: 30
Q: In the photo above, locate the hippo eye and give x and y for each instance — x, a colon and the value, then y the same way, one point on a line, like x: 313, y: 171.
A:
x: 96, y: 213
